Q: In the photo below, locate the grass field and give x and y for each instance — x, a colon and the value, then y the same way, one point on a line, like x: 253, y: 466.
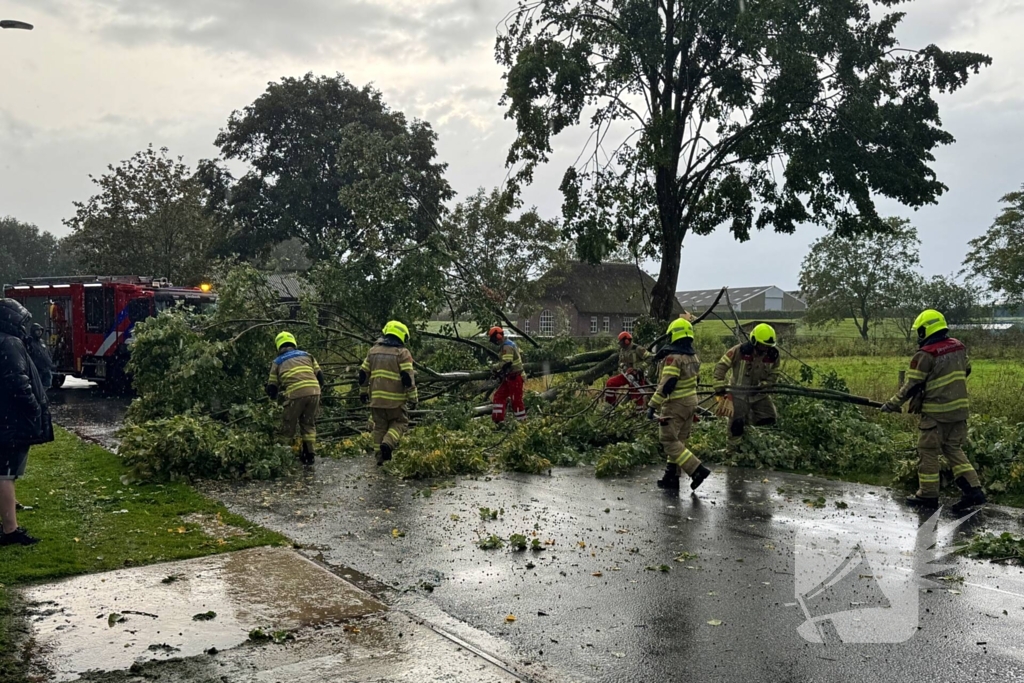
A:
x: 89, y: 521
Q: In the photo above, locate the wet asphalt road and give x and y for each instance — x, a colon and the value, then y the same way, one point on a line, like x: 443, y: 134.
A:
x: 81, y: 407
x: 595, y: 605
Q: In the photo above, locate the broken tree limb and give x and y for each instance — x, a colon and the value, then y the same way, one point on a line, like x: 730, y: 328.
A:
x: 461, y: 340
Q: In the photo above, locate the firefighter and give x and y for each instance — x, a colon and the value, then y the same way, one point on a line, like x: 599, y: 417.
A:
x: 676, y: 399
x: 389, y: 385
x: 296, y: 377
x: 754, y: 364
x: 631, y: 373
x: 509, y: 372
x: 936, y: 385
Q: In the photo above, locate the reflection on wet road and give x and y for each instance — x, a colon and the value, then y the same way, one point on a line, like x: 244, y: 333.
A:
x: 86, y: 410
x: 634, y: 585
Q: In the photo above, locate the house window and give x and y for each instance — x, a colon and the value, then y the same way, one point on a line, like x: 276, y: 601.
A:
x: 547, y: 323
x: 526, y: 326
x: 593, y: 324
x: 607, y: 327
x: 627, y: 324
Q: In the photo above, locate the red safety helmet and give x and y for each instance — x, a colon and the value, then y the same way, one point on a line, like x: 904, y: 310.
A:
x: 495, y: 332
x: 625, y: 336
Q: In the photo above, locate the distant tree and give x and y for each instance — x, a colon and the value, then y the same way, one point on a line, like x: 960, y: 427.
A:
x: 496, y: 259
x: 707, y: 113
x: 147, y: 218
x: 862, y: 276
x: 998, y: 255
x: 958, y: 301
x: 315, y: 146
x: 25, y: 251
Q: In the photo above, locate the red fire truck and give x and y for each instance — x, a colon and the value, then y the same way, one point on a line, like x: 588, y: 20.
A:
x: 88, y: 320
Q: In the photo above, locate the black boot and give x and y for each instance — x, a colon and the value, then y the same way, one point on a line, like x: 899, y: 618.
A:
x: 670, y: 482
x: 17, y: 537
x: 698, y: 476
x: 308, y: 456
x: 384, y: 455
x: 972, y: 496
x: 923, y: 503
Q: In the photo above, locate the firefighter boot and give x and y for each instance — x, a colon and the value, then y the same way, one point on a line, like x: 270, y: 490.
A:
x: 698, y: 476
x: 972, y: 496
x: 384, y: 455
x: 670, y: 482
x: 308, y: 456
x: 916, y: 501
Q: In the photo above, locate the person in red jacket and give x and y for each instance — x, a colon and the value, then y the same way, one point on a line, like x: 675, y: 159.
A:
x: 631, y: 373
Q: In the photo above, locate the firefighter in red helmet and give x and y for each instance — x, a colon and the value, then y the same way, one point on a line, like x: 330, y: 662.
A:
x: 631, y: 373
x: 509, y: 373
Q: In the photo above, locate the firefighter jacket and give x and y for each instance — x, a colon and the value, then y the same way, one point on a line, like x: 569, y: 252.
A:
x: 936, y: 382
x: 678, y: 380
x: 630, y: 357
x: 387, y: 376
x: 510, y: 361
x: 294, y: 374
x: 749, y: 369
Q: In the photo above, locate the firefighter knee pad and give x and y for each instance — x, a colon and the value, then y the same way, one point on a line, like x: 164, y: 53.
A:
x: 737, y: 426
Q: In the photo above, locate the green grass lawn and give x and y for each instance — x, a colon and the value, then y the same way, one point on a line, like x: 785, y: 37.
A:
x: 89, y: 521
x: 995, y: 386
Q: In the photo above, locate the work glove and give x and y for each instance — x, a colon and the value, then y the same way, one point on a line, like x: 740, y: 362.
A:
x: 725, y: 407
x: 889, y: 408
x: 271, y: 390
x: 650, y: 413
x: 364, y: 398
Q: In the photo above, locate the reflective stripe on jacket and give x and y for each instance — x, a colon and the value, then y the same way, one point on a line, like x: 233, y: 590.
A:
x: 936, y: 382
x: 508, y: 355
x: 684, y: 368
x: 749, y: 369
x: 384, y: 366
x: 294, y: 374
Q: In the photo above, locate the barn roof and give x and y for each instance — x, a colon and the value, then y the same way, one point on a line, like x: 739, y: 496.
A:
x: 614, y: 288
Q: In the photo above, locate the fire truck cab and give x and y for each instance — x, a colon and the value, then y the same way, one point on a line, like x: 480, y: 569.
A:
x: 88, y: 320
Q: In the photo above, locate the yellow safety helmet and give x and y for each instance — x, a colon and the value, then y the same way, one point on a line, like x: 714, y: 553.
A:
x: 930, y: 322
x: 763, y: 334
x: 680, y: 328
x: 285, y: 338
x: 397, y: 329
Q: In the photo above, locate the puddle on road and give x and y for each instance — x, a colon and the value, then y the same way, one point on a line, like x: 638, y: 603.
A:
x: 268, y: 588
x: 84, y: 409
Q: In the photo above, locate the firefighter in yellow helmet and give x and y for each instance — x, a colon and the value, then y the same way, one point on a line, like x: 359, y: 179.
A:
x: 754, y: 364
x: 676, y: 402
x: 389, y: 386
x: 936, y: 386
x: 296, y: 378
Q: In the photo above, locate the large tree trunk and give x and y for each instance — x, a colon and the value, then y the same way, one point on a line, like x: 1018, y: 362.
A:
x: 663, y: 296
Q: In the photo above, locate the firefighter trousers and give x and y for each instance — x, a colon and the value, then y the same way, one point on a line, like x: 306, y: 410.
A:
x: 509, y: 391
x: 674, y: 425
x: 615, y: 389
x: 388, y: 425
x: 757, y: 411
x: 300, y: 418
x: 938, y: 439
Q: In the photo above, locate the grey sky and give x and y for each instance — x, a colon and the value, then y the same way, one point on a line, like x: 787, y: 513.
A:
x: 100, y: 79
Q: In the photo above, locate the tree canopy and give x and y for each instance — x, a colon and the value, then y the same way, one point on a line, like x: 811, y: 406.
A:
x: 25, y: 251
x: 147, y: 218
x: 317, y: 148
x: 862, y: 276
x: 754, y: 115
x: 998, y: 255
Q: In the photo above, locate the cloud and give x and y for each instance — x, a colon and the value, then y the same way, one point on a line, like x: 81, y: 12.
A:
x: 395, y: 29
